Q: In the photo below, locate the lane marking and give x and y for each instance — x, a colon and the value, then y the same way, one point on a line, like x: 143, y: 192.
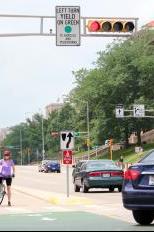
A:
x: 48, y: 219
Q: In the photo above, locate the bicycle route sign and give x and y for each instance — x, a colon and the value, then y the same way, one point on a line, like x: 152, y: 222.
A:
x: 67, y: 140
x: 68, y: 25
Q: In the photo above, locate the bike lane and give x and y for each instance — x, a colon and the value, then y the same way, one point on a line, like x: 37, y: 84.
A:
x: 65, y: 221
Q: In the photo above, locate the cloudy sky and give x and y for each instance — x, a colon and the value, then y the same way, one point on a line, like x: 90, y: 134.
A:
x: 33, y: 71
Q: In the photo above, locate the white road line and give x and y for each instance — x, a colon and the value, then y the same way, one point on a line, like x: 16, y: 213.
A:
x: 48, y: 219
x: 18, y: 210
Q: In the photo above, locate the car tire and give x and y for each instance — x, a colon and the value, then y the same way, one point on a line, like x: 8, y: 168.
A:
x: 111, y: 189
x: 76, y: 188
x: 143, y: 217
x: 120, y: 189
x: 85, y: 189
x: 59, y: 171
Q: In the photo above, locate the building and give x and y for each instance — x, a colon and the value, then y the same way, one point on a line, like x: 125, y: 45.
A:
x: 149, y: 25
x: 52, y: 107
x: 3, y: 133
x: 146, y: 137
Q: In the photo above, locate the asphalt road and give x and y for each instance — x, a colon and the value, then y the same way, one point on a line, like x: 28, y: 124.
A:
x: 40, y: 203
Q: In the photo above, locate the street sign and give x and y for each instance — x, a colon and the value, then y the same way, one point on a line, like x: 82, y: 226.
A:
x: 67, y: 25
x: 139, y: 111
x: 67, y: 157
x: 119, y: 111
x: 67, y: 140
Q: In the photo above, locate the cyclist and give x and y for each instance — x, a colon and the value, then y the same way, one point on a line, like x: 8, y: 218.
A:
x: 7, y: 171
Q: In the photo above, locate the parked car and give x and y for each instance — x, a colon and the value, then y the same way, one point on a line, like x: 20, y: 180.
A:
x: 41, y: 167
x: 99, y: 174
x: 138, y: 189
x: 53, y: 166
x: 76, y: 169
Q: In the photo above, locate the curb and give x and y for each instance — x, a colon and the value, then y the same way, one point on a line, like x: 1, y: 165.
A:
x: 54, y: 198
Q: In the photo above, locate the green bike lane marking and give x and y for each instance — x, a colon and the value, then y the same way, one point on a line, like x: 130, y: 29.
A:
x: 65, y: 221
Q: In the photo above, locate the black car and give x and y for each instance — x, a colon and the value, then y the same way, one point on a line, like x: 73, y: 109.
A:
x: 138, y: 189
x: 76, y: 169
x: 98, y: 174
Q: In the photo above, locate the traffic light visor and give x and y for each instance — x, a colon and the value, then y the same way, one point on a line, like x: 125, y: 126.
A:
x: 129, y: 26
x: 118, y: 27
x: 107, y: 26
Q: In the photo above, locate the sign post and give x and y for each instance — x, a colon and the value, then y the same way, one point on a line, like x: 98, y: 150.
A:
x: 67, y: 146
x: 68, y: 25
x: 67, y: 159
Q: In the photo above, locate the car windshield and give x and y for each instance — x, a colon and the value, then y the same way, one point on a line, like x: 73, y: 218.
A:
x: 53, y: 162
x: 102, y: 166
x: 149, y: 158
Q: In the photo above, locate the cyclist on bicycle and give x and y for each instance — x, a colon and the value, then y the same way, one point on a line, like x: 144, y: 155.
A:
x: 7, y: 171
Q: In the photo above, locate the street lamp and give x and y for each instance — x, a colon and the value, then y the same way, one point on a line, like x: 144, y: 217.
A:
x: 43, y: 143
x: 21, y: 152
x: 42, y: 132
x: 88, y: 125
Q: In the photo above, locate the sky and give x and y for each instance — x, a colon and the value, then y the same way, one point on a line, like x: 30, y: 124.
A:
x: 34, y: 72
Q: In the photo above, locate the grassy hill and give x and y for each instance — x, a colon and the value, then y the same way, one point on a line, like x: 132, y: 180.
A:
x: 129, y: 154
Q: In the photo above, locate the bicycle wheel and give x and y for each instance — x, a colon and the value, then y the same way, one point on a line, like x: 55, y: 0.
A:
x: 2, y: 193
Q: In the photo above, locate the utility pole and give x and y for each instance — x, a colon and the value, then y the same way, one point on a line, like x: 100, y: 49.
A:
x: 88, y: 130
x: 21, y: 152
x: 43, y: 143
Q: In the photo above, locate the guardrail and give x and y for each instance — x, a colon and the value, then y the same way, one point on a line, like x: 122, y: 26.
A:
x: 94, y: 154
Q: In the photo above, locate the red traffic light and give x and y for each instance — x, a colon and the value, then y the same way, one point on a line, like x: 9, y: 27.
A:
x: 94, y: 26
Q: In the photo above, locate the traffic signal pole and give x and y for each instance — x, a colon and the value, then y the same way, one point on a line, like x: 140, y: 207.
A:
x: 41, y: 21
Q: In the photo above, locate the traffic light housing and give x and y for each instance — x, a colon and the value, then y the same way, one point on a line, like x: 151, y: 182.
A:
x: 113, y: 25
x: 110, y: 142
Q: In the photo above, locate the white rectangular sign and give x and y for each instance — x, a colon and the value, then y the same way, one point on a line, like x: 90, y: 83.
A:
x: 119, y: 111
x: 139, y: 111
x: 67, y: 140
x: 68, y: 25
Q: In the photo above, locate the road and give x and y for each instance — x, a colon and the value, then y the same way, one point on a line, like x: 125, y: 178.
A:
x: 40, y: 203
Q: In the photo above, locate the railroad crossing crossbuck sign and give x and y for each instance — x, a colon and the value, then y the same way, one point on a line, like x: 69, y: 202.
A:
x: 67, y: 140
x: 139, y: 111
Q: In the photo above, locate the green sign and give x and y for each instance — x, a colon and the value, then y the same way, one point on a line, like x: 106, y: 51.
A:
x: 76, y: 134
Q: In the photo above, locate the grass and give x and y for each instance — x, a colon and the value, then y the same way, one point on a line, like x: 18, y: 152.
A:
x: 128, y: 154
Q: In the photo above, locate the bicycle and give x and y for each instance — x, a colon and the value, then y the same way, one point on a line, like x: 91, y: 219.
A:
x: 2, y: 191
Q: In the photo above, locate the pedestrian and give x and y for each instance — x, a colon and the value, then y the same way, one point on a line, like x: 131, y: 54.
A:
x: 121, y: 160
x: 7, y: 171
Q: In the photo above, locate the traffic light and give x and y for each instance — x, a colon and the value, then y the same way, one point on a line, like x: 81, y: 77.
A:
x: 113, y: 25
x: 110, y: 142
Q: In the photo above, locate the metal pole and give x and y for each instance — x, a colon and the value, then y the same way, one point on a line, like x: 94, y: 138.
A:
x: 28, y: 156
x: 21, y: 147
x: 41, y: 26
x: 88, y: 130
x: 43, y: 150
x: 67, y: 179
x: 96, y: 153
